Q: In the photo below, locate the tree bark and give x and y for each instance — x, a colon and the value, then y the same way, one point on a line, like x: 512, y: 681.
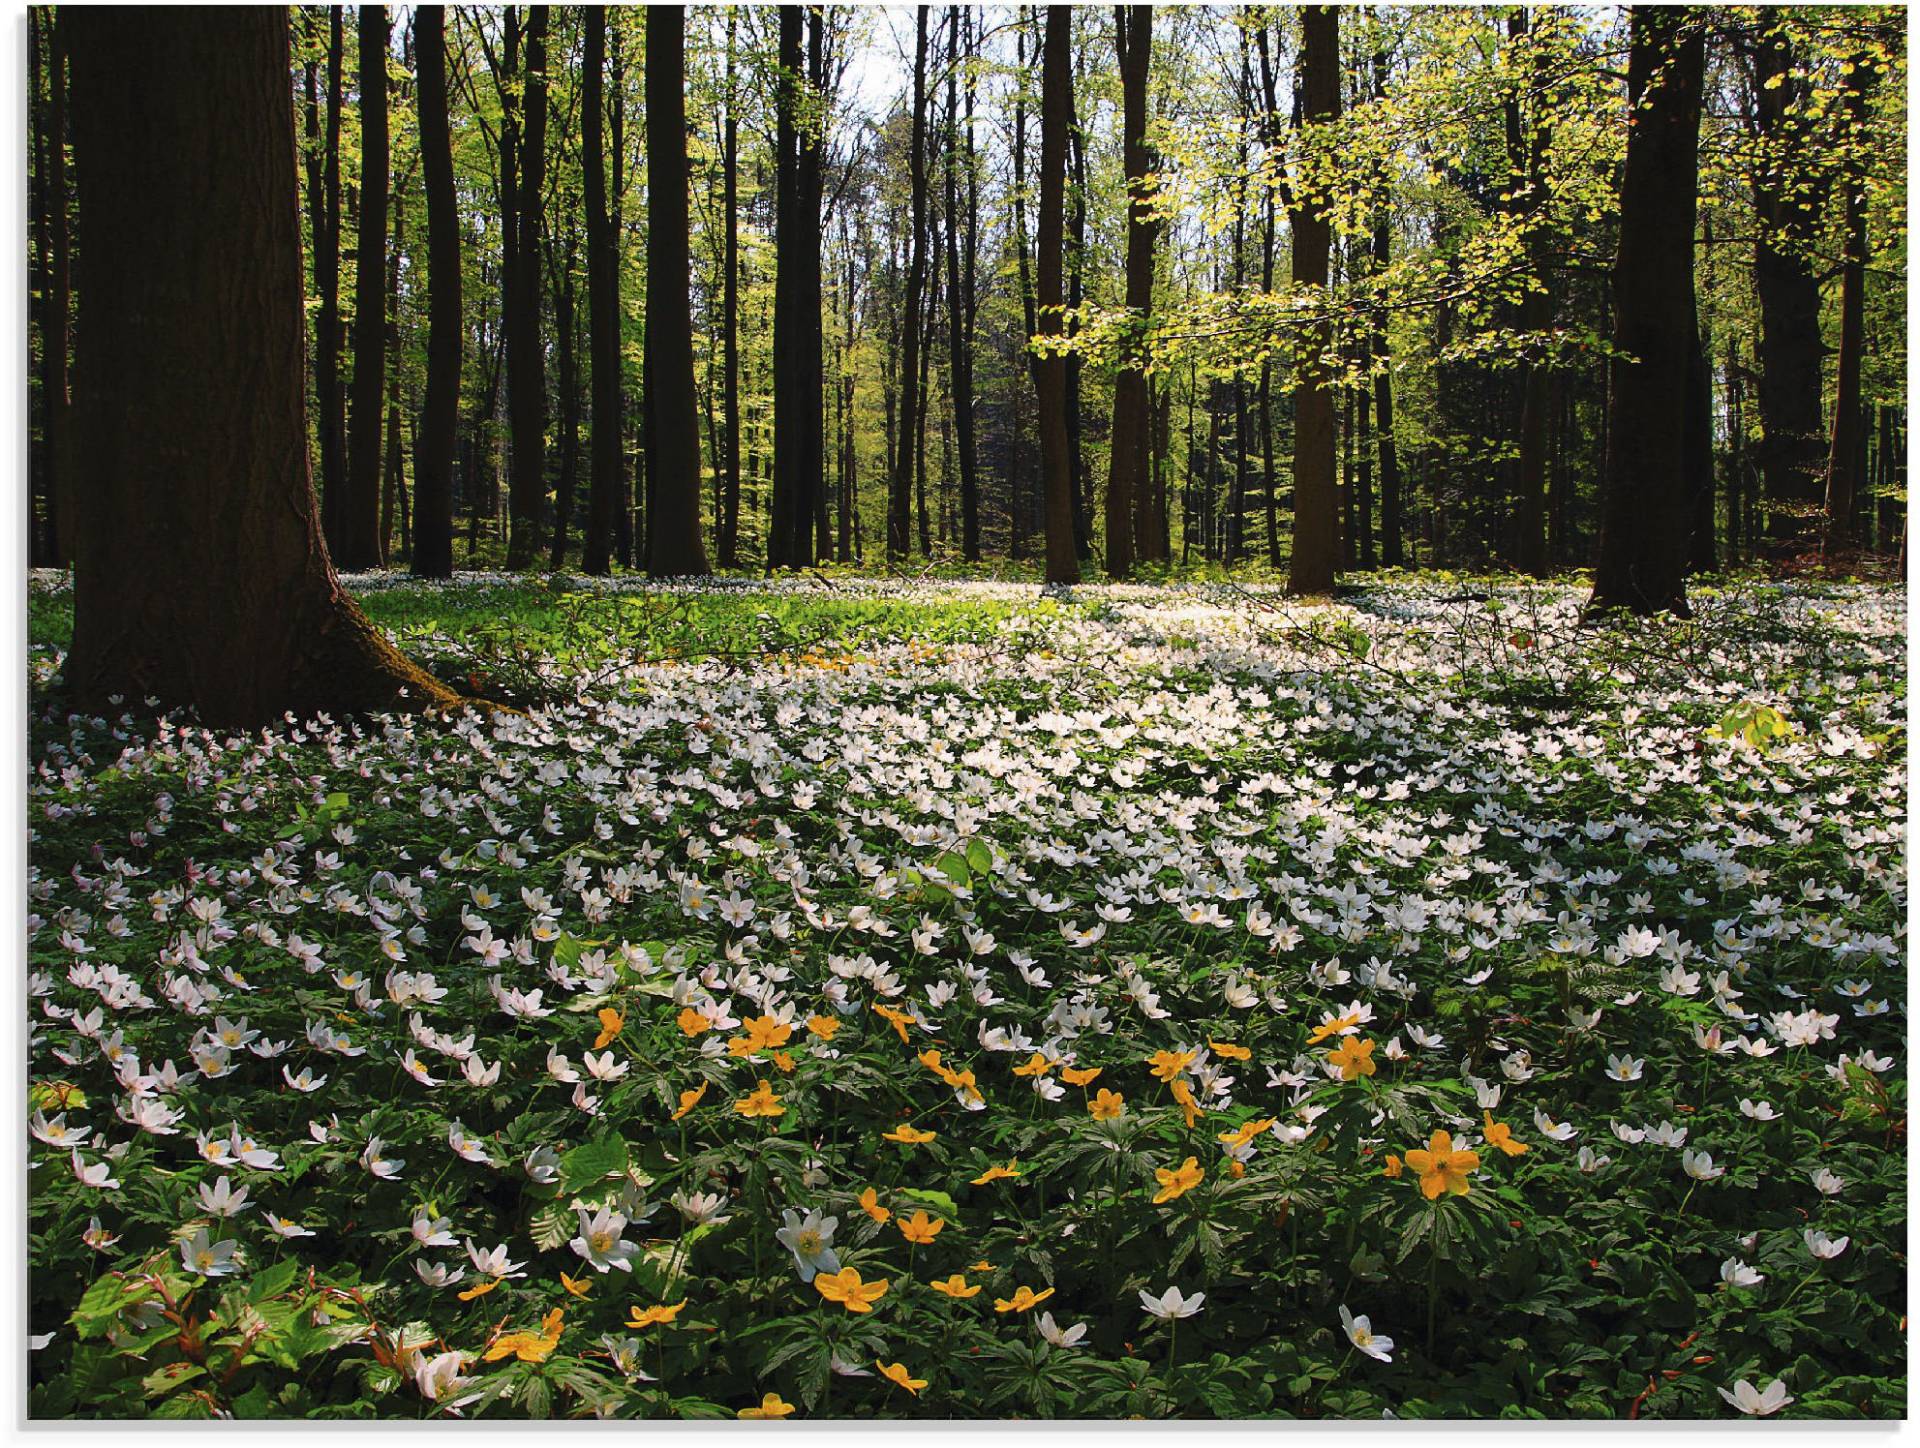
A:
x: 1643, y: 528
x: 1056, y: 115
x: 440, y: 421
x: 730, y: 317
x: 900, y: 485
x: 1316, y: 546
x: 360, y: 521
x: 671, y: 409
x: 330, y: 396
x: 192, y: 418
x: 603, y: 309
x: 1129, y: 517
x: 526, y: 363
x: 959, y: 292
x: 1849, y: 417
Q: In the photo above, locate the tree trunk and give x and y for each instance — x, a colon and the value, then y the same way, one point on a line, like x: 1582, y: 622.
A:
x: 1849, y: 419
x: 1316, y: 543
x: 192, y: 419
x: 1697, y: 454
x: 1056, y: 115
x: 959, y: 300
x: 440, y: 422
x: 1392, y: 553
x: 671, y: 409
x: 566, y: 340
x: 1129, y: 507
x: 330, y: 395
x: 1787, y: 205
x: 526, y: 363
x: 730, y: 317
x: 360, y: 521
x: 1643, y: 529
x: 900, y: 485
x: 603, y: 308
x: 393, y: 480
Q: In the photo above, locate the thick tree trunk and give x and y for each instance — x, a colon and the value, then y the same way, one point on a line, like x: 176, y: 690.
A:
x: 1787, y: 206
x: 1643, y: 528
x: 360, y: 521
x: 1129, y: 506
x: 1316, y: 545
x: 433, y: 459
x: 799, y: 395
x: 1849, y: 418
x: 671, y: 409
x: 1056, y: 463
x: 200, y: 575
x: 603, y: 308
x: 330, y: 395
x: 526, y: 363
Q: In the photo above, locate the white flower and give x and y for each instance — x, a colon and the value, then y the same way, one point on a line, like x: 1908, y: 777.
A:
x: 438, y: 1274
x: 431, y: 1231
x: 542, y: 1165
x: 1170, y: 1304
x: 1059, y: 1336
x: 1758, y: 1110
x: 1823, y: 1246
x: 1736, y: 1273
x: 97, y: 1174
x: 1757, y: 1404
x: 1827, y: 1184
x: 700, y: 1208
x: 222, y: 1199
x: 600, y: 1241
x: 1699, y: 1165
x: 810, y: 1239
x: 202, y: 1255
x: 1555, y: 1130
x: 1360, y: 1333
x: 439, y: 1377
x: 492, y: 1261
x: 1625, y: 1068
x: 281, y: 1227
x: 1589, y: 1162
x: 374, y: 1161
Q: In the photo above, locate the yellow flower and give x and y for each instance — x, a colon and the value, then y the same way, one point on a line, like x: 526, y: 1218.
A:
x: 1230, y: 1051
x: 1354, y: 1058
x: 610, y: 1023
x: 771, y: 1406
x: 692, y: 1023
x: 1236, y: 1169
x: 1022, y: 1299
x: 480, y: 1289
x: 930, y: 1058
x: 998, y: 1173
x: 1177, y: 1181
x: 1168, y: 1064
x: 530, y: 1347
x: 963, y: 1081
x: 981, y: 1267
x: 823, y: 1027
x: 1079, y: 1076
x: 896, y: 1018
x: 689, y: 1100
x: 579, y: 1287
x: 956, y: 1286
x: 897, y: 1373
x: 1107, y: 1105
x: 870, y: 1204
x: 638, y: 1317
x: 910, y: 1136
x: 764, y: 1033
x: 783, y: 1061
x: 1244, y: 1134
x: 1332, y: 1028
x: 920, y: 1227
x: 1502, y: 1137
x: 761, y: 1103
x: 846, y: 1288
x: 1394, y: 1165
x: 1441, y: 1168
x: 1037, y: 1065
x: 1189, y: 1108
x: 740, y: 1047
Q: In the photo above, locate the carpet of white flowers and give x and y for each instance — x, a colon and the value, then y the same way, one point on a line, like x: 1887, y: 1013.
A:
x: 1141, y: 1001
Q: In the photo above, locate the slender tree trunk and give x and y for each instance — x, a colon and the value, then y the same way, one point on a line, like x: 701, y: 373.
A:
x: 1697, y: 449
x: 1129, y: 495
x: 192, y: 419
x: 1643, y: 529
x: 603, y: 307
x: 526, y: 362
x: 730, y: 316
x: 393, y: 479
x: 1056, y: 116
x: 1391, y: 552
x: 360, y: 522
x: 900, y: 488
x: 671, y: 409
x: 1076, y: 284
x: 1315, y: 521
x: 959, y: 305
x: 568, y: 358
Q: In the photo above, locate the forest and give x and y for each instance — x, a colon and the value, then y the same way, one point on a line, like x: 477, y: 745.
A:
x: 965, y: 712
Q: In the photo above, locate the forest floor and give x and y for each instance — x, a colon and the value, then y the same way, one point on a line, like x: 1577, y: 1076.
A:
x: 939, y: 999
